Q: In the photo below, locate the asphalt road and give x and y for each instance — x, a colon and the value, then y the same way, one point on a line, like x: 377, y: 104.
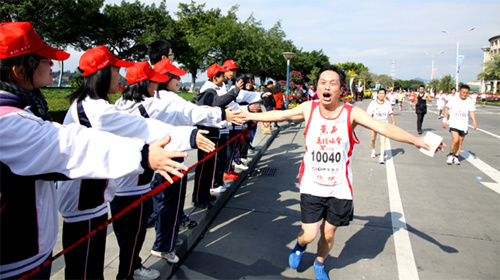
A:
x: 415, y: 216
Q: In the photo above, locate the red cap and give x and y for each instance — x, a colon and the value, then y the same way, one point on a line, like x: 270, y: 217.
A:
x: 18, y: 38
x: 97, y: 58
x: 214, y: 69
x: 143, y: 71
x: 166, y: 66
x: 230, y: 64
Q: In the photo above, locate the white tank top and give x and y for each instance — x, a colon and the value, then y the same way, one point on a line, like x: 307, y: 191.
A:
x: 326, y: 167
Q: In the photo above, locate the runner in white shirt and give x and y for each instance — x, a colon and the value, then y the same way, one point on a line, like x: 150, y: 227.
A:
x: 473, y: 96
x: 325, y: 179
x: 458, y: 111
x: 441, y: 101
x: 483, y: 98
x: 380, y: 110
x: 392, y: 96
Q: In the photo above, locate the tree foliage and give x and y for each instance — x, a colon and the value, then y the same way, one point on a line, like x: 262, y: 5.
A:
x: 58, y: 22
x: 446, y: 83
x: 491, y: 69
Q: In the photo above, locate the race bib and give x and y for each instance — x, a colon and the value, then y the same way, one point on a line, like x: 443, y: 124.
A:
x: 327, y: 167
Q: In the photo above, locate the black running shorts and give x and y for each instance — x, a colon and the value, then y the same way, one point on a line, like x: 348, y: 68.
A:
x: 460, y: 132
x: 338, y: 212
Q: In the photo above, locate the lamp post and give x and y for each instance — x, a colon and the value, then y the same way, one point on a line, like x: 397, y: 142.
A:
x: 458, y: 47
x: 432, y: 68
x: 288, y: 56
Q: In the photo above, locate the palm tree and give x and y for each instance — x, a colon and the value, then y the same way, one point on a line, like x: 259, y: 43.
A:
x: 446, y: 83
x: 433, y: 85
x: 491, y: 71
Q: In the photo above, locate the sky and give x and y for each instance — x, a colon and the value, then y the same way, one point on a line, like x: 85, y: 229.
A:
x: 384, y: 35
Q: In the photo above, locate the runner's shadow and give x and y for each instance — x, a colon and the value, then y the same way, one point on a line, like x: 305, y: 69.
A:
x: 371, y: 240
x: 395, y: 152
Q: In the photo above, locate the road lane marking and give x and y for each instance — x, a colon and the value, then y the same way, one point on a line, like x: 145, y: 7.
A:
x: 485, y: 168
x: 407, y: 268
x: 484, y: 131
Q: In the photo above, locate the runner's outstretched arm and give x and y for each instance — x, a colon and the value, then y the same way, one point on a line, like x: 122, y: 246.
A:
x: 295, y: 114
x: 358, y: 116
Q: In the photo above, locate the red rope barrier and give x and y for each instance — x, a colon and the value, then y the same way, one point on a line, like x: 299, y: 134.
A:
x: 124, y: 211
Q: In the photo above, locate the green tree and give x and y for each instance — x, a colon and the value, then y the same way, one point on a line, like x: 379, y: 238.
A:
x: 491, y: 69
x: 356, y: 67
x: 366, y: 78
x: 192, y: 20
x: 446, y: 83
x: 433, y: 84
x: 306, y: 61
x: 55, y: 21
x: 131, y: 27
x: 384, y: 80
x: 313, y: 76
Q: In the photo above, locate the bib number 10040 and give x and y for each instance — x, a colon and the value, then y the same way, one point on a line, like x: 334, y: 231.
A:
x: 326, y: 157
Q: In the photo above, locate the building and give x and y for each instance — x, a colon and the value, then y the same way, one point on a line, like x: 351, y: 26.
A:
x: 489, y: 52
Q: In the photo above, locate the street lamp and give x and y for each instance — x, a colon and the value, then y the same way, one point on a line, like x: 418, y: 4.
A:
x: 458, y: 38
x: 288, y: 56
x: 432, y: 68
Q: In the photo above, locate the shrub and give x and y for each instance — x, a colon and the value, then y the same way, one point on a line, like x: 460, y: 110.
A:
x: 76, y: 81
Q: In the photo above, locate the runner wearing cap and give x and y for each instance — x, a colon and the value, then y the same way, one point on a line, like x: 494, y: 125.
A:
x: 138, y: 99
x: 84, y: 210
x: 54, y: 152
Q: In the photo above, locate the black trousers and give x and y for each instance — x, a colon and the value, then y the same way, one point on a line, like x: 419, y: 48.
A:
x: 221, y: 161
x: 232, y: 150
x: 130, y: 231
x: 205, y: 174
x: 168, y: 210
x: 420, y: 120
x: 86, y: 260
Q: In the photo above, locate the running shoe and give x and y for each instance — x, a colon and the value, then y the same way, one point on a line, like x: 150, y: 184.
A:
x: 374, y: 154
x: 229, y: 176
x: 449, y: 159
x: 219, y: 189
x: 241, y: 166
x: 227, y: 185
x: 188, y: 224
x: 146, y: 273
x: 171, y: 257
x: 245, y: 160
x: 381, y: 159
x: 295, y: 258
x: 319, y: 271
x: 456, y: 161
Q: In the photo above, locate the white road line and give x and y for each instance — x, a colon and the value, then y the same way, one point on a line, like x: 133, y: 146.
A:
x: 484, y: 131
x: 485, y: 168
x: 407, y: 268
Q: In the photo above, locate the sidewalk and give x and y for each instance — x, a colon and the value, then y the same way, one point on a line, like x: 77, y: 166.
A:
x: 187, y: 238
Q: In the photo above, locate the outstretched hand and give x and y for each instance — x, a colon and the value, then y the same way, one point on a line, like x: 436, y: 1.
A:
x: 203, y: 143
x: 161, y: 161
x: 234, y: 116
x: 419, y: 143
x: 240, y: 83
x: 266, y: 94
